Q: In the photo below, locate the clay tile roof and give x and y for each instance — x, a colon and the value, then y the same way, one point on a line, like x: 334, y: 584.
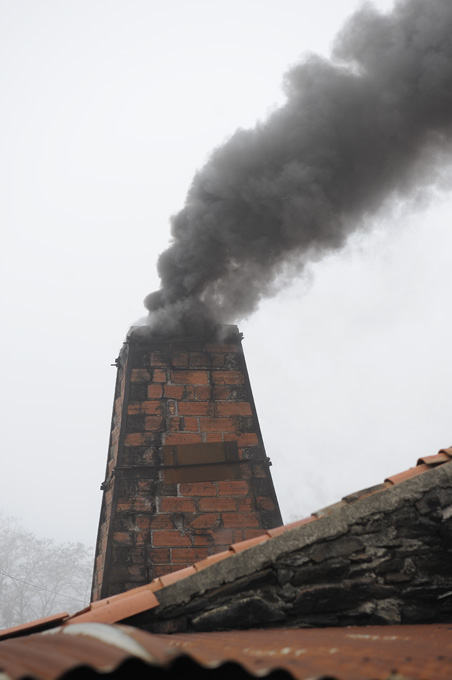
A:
x: 440, y: 458
x: 34, y: 626
x: 169, y: 579
x: 249, y: 543
x: 119, y: 607
x: 125, y: 605
x: 408, y: 474
x: 424, y: 464
x: 211, y: 559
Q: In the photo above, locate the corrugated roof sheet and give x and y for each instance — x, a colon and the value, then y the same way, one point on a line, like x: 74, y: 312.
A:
x: 396, y: 652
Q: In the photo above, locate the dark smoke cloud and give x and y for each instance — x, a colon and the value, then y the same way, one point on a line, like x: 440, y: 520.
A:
x: 354, y: 131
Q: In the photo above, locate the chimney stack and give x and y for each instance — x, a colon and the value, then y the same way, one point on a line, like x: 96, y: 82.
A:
x: 187, y: 473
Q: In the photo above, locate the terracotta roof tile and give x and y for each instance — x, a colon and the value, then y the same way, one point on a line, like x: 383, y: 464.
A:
x: 172, y: 577
x: 249, y: 543
x: 34, y: 626
x: 211, y: 559
x: 287, y: 527
x: 408, y: 474
x: 438, y: 459
x: 117, y: 608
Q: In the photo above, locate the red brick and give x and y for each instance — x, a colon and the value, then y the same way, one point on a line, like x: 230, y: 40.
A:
x: 234, y: 408
x: 159, y: 555
x: 155, y: 391
x: 217, y: 504
x: 138, y: 439
x: 227, y: 378
x: 240, y: 520
x: 162, y: 522
x: 213, y: 437
x: 169, y: 538
x: 190, y: 377
x: 244, y: 504
x: 223, y: 536
x: 134, y: 409
x: 175, y: 424
x: 123, y: 537
x: 221, y: 392
x: 136, y: 504
x: 163, y: 569
x: 247, y: 439
x: 171, y: 407
x: 177, y: 504
x: 146, y: 407
x: 143, y: 522
x: 173, y: 391
x: 188, y: 555
x: 207, y: 521
x: 179, y: 359
x: 182, y: 438
x: 134, y: 573
x: 198, y: 489
x: 143, y: 538
x: 159, y: 375
x: 189, y: 392
x: 140, y: 375
x: 199, y: 360
x: 217, y: 360
x: 233, y: 488
x: 202, y: 539
x: 154, y: 423
x: 203, y: 392
x: 196, y: 408
x: 191, y: 424
x: 217, y: 425
x: 265, y: 503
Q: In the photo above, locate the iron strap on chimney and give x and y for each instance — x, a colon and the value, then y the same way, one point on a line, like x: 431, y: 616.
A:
x: 147, y: 466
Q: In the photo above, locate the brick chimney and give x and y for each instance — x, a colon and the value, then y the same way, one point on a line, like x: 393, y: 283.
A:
x: 187, y: 473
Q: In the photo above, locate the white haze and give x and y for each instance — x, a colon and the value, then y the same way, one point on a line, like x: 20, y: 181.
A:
x: 108, y: 109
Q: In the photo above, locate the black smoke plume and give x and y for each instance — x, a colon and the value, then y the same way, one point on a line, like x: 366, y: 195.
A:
x: 356, y: 130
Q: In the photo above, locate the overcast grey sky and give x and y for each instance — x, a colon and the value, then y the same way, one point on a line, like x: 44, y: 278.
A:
x: 108, y: 108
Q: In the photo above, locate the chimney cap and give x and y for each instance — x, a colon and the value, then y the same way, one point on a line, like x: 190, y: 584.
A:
x: 221, y: 333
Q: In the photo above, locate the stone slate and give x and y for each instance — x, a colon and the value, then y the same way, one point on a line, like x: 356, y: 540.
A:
x: 383, y: 559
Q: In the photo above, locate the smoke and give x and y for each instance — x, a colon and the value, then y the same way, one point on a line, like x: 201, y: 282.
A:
x: 369, y: 124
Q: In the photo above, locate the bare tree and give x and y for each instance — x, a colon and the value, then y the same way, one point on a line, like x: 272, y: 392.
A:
x: 39, y: 577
